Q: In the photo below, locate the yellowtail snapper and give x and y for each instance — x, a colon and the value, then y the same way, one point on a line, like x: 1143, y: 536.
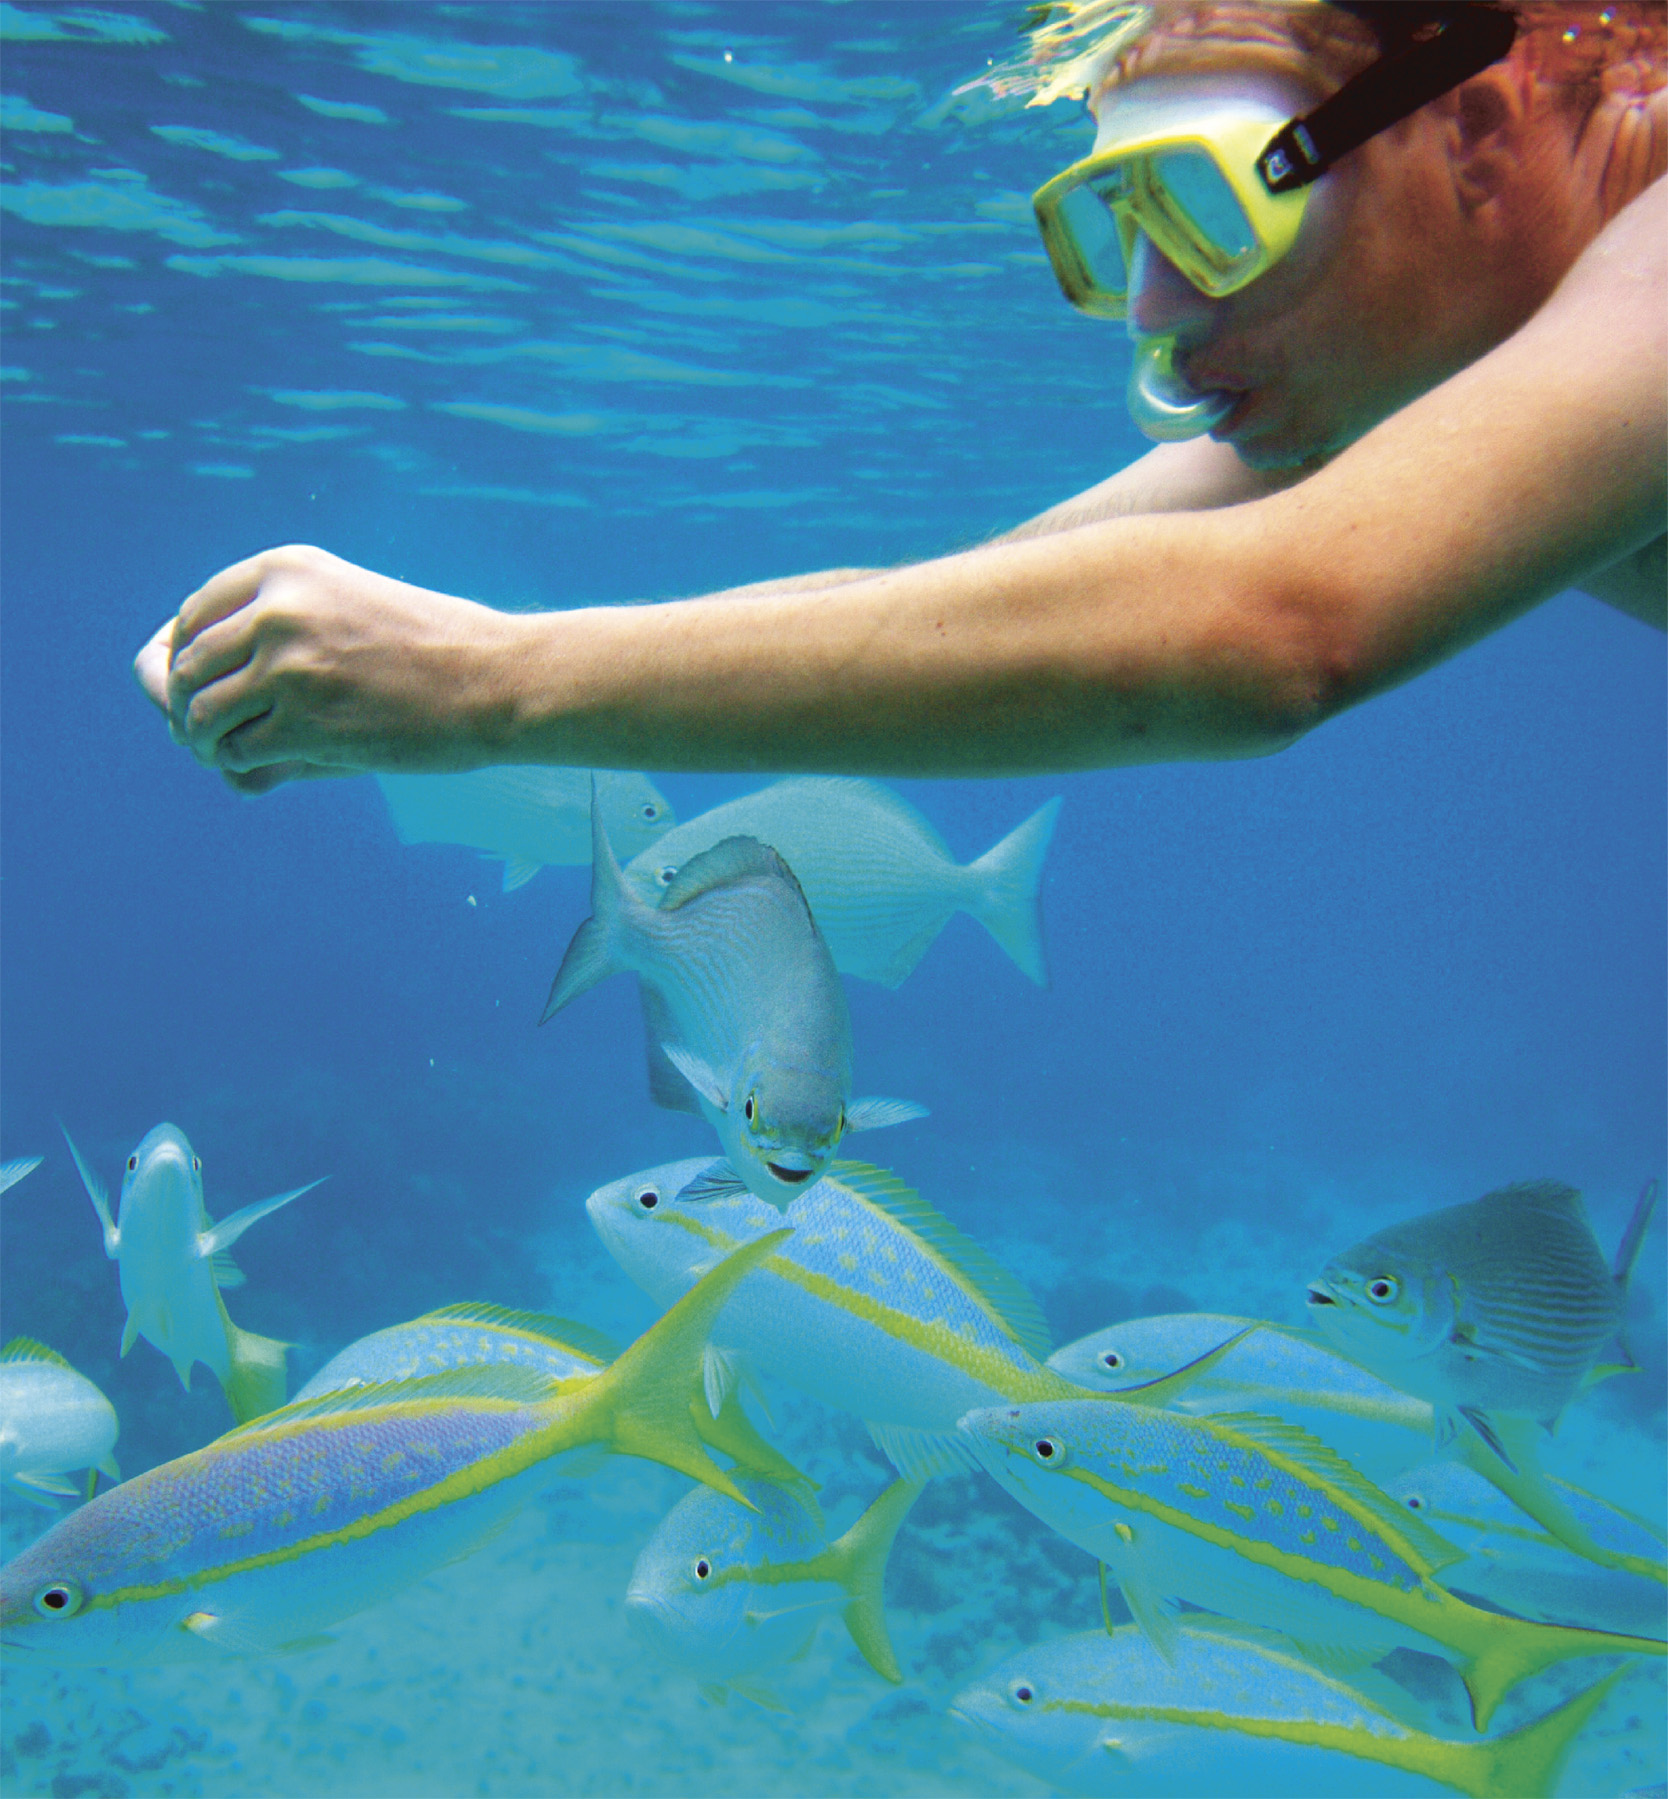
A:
x: 1099, y: 1713
x: 1254, y: 1518
x: 1290, y: 1374
x: 283, y: 1526
x: 729, y: 1594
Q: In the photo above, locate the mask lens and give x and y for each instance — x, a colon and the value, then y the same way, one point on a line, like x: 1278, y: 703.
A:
x: 1199, y: 195
x: 1088, y: 221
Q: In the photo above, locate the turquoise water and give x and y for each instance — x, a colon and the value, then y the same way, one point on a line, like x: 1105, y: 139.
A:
x: 558, y: 304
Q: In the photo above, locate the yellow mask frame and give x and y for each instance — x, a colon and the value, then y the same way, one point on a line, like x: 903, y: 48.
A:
x: 1185, y: 174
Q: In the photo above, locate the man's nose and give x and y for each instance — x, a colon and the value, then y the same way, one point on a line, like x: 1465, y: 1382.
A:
x: 1162, y: 301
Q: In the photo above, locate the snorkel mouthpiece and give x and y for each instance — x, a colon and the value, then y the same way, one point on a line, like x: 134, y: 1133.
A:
x: 1161, y: 403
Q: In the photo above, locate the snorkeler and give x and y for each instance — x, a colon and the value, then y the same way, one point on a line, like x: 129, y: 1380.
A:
x: 1396, y: 276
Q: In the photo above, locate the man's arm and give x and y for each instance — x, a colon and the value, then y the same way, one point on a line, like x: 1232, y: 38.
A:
x: 1206, y: 633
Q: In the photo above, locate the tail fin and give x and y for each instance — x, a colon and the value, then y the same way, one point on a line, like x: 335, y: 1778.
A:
x: 733, y: 1432
x: 590, y: 956
x: 1004, y: 898
x: 258, y: 1379
x: 1526, y: 1763
x: 858, y: 1561
x: 1508, y: 1650
x: 650, y: 1401
x: 1524, y: 1483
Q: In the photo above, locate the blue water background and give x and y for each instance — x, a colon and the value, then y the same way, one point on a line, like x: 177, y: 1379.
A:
x: 697, y: 322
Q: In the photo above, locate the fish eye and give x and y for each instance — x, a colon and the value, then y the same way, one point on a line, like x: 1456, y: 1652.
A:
x: 647, y: 1197
x: 1050, y: 1451
x: 749, y: 1108
x: 1414, y: 1503
x: 650, y: 809
x: 132, y: 1163
x: 668, y: 874
x: 1111, y: 1359
x: 196, y: 1164
x: 703, y: 1568
x: 1383, y: 1291
x: 1022, y: 1692
x: 60, y: 1600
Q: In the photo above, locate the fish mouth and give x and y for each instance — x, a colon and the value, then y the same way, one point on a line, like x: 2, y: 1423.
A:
x: 793, y: 1176
x: 1319, y: 1295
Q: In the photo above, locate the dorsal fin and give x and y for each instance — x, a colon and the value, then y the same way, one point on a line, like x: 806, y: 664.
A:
x: 481, y: 1380
x: 735, y: 859
x: 1006, y: 1296
x: 1556, y: 1197
x: 26, y: 1349
x: 1309, y: 1453
x: 582, y: 1339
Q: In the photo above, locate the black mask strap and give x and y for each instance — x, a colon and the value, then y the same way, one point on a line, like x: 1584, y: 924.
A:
x: 1450, y: 49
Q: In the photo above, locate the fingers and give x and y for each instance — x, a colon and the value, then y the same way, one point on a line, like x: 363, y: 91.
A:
x: 211, y: 716
x: 254, y: 781
x: 150, y: 666
x: 217, y: 651
x: 220, y: 596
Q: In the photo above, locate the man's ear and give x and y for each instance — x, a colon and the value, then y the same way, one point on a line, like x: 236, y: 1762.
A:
x: 1486, y: 117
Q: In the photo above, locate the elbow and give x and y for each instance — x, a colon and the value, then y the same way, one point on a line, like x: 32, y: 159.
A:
x: 1297, y: 663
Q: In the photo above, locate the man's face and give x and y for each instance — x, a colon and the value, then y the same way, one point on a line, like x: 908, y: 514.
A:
x: 1338, y: 333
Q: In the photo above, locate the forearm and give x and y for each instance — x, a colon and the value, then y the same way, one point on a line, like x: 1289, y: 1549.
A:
x: 1080, y: 649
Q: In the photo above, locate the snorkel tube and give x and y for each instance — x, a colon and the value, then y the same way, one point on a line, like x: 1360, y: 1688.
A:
x: 1161, y: 403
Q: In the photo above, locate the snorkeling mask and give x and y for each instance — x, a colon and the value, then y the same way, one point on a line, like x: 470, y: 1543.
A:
x: 1220, y: 186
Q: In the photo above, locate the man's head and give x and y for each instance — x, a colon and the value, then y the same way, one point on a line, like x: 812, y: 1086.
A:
x: 1420, y: 250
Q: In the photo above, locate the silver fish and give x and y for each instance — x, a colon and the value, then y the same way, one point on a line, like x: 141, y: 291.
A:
x: 746, y: 1018
x: 879, y: 880
x: 533, y: 817
x: 52, y: 1419
x: 1499, y: 1307
x: 174, y: 1263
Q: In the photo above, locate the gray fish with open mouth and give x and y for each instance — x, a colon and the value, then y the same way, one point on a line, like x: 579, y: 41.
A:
x: 1501, y: 1307
x: 746, y: 1018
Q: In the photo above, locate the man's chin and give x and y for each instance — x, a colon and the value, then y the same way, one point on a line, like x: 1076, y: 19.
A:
x: 1264, y: 441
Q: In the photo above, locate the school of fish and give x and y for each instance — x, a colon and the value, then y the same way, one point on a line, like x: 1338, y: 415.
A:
x: 1287, y: 1512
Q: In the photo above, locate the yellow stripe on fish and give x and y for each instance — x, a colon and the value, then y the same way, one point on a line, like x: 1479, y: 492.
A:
x: 314, y: 1512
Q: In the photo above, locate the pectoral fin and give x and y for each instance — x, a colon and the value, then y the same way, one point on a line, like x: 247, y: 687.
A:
x: 517, y: 873
x: 228, y: 1230
x: 101, y: 1201
x: 718, y: 1377
x: 49, y: 1483
x: 699, y: 1075
x: 719, y: 1181
x: 1155, y: 1616
x: 875, y: 1114
x: 1480, y: 1422
x: 222, y: 1633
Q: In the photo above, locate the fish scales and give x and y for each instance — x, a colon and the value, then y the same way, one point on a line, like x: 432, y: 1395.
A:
x: 431, y: 1345
x: 880, y: 881
x: 245, y: 1499
x: 1251, y: 1489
